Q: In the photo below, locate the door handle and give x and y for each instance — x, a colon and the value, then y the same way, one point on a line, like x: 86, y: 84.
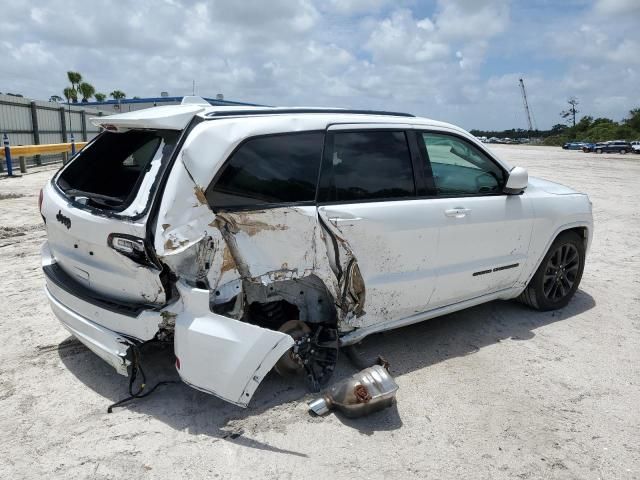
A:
x: 458, y: 212
x: 344, y: 219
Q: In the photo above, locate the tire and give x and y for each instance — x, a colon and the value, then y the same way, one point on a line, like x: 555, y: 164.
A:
x: 558, y: 276
x: 623, y: 151
x: 599, y: 150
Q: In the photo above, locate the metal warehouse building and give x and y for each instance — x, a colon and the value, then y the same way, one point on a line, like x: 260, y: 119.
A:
x: 34, y: 122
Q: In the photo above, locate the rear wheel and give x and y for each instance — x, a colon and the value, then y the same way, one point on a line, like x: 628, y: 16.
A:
x: 598, y: 150
x: 623, y: 151
x: 314, y: 353
x: 559, y: 274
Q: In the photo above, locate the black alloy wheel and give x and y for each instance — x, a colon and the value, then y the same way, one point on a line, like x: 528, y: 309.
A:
x: 561, y: 272
x: 558, y: 275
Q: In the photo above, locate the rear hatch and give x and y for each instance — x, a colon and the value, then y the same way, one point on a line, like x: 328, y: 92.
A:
x: 97, y: 207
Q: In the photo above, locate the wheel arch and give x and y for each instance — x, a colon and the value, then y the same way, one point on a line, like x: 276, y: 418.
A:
x: 583, y: 229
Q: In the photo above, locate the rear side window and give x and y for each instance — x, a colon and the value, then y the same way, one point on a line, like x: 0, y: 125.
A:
x: 269, y: 170
x: 367, y: 165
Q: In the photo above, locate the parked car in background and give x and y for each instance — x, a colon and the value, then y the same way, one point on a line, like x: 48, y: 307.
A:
x: 636, y: 146
x: 588, y: 147
x: 252, y: 237
x: 573, y: 145
x: 614, y: 146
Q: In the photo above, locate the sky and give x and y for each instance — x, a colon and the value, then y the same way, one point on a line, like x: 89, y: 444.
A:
x: 453, y: 60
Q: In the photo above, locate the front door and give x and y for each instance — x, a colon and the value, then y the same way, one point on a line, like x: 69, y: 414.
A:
x: 484, y: 234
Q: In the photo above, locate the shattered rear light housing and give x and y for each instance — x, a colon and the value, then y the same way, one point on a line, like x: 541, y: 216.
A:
x: 133, y: 247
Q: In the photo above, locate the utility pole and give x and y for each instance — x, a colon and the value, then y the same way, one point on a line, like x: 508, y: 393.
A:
x: 526, y: 106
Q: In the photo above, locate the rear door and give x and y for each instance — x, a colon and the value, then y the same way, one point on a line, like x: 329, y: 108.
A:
x: 96, y: 210
x: 484, y: 233
x: 369, y: 197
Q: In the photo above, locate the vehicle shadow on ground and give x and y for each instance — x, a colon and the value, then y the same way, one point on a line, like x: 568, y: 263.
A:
x: 407, y: 349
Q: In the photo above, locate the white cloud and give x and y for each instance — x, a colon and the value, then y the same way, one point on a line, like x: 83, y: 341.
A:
x: 402, y: 39
x: 430, y: 59
x: 354, y: 7
x: 472, y: 19
x: 617, y: 7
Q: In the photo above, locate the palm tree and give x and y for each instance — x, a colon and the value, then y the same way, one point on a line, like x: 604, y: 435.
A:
x: 86, y: 90
x: 100, y: 97
x: 70, y: 94
x: 74, y: 78
x: 55, y: 98
x: 118, y: 95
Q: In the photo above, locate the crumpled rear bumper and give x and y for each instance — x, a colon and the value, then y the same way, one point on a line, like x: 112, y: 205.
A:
x: 110, y: 346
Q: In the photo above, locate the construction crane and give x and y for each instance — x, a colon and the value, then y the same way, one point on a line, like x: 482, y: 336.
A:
x: 526, y: 105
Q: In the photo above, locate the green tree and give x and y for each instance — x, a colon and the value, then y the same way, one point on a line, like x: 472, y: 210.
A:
x: 55, y: 98
x: 70, y: 94
x: 558, y: 128
x: 74, y: 78
x: 633, y: 120
x: 118, y: 95
x: 100, y: 97
x: 86, y: 90
x: 584, y: 124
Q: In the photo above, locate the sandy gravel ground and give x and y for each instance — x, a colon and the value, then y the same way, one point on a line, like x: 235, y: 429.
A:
x: 497, y: 391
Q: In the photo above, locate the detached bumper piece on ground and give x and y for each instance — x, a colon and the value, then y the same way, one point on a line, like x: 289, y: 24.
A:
x: 368, y: 391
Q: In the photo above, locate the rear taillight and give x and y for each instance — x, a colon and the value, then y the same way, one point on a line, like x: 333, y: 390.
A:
x: 133, y: 247
x: 40, y: 198
x: 127, y: 245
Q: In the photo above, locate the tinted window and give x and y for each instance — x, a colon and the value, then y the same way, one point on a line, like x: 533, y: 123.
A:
x: 274, y: 169
x: 459, y: 168
x: 367, y: 166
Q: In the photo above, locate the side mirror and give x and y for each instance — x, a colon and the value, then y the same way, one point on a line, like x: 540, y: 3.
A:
x: 517, y: 181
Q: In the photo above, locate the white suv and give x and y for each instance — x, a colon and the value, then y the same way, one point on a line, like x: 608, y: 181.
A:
x: 254, y: 237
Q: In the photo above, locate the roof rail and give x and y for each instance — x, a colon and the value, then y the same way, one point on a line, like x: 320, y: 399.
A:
x: 272, y: 111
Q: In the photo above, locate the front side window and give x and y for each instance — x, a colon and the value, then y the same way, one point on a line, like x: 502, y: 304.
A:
x: 459, y: 168
x: 269, y: 170
x: 367, y: 165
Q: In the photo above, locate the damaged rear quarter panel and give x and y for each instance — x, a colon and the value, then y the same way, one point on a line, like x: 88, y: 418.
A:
x: 258, y: 255
x: 261, y: 246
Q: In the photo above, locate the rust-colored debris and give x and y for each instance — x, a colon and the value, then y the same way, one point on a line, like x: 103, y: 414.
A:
x: 170, y: 244
x: 362, y: 394
x: 228, y: 263
x: 199, y: 193
x: 245, y: 222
